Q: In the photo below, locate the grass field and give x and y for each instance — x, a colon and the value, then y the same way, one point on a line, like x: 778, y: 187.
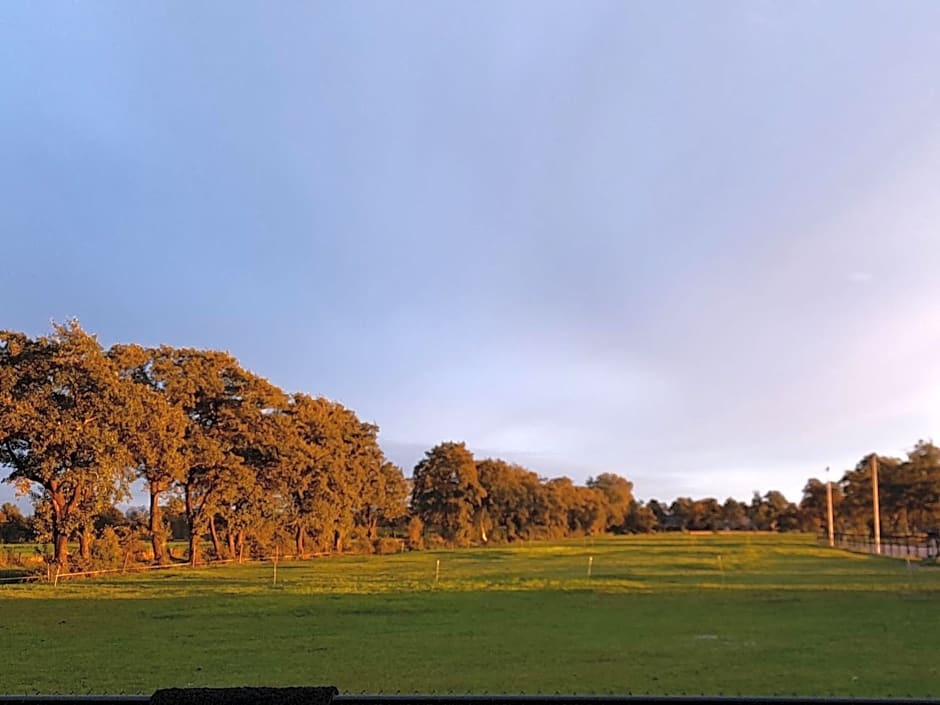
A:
x: 738, y: 614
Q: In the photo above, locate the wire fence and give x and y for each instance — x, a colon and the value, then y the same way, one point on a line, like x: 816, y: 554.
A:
x: 911, y: 546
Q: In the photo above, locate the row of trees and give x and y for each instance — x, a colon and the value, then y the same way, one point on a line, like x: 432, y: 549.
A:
x: 908, y: 492
x: 245, y: 465
x: 252, y: 464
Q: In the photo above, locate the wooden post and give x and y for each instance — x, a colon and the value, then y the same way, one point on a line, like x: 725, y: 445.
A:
x: 57, y: 568
x: 276, y: 549
x: 832, y: 541
x: 590, y: 564
x: 437, y: 570
x: 874, y: 494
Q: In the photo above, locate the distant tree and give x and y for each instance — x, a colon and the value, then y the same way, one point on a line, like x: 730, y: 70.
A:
x: 641, y: 519
x: 109, y: 516
x: 814, y: 506
x: 385, y: 498
x: 588, y: 514
x: 447, y: 493
x: 514, y: 506
x: 661, y: 512
x: 856, y: 508
x: 174, y: 512
x: 14, y: 527
x: 561, y: 500
x: 705, y: 515
x: 913, y: 490
x: 734, y: 515
x: 332, y: 474
x: 682, y: 513
x: 618, y: 493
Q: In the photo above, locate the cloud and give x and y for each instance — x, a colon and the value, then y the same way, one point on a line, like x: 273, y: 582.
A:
x: 860, y: 277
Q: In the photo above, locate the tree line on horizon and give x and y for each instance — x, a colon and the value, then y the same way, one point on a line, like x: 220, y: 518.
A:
x: 231, y: 461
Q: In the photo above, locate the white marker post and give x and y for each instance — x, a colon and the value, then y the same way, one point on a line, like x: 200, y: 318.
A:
x: 832, y: 540
x: 590, y: 564
x: 276, y: 548
x: 437, y: 571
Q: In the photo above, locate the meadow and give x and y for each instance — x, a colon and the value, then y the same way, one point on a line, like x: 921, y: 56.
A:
x: 748, y: 614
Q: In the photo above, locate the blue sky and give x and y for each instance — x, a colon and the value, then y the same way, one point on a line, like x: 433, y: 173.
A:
x: 692, y: 243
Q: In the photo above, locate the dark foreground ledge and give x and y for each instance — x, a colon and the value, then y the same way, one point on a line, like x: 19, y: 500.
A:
x: 291, y: 696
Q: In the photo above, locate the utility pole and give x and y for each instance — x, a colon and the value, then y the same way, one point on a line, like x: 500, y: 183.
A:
x: 832, y: 541
x: 874, y: 494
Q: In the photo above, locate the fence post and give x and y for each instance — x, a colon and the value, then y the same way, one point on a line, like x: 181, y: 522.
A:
x: 276, y: 548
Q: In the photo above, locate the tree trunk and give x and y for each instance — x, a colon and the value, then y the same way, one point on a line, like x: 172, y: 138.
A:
x: 230, y: 537
x: 373, y: 528
x: 84, y: 542
x: 216, y: 544
x: 241, y: 546
x: 337, y: 542
x: 191, y: 521
x: 60, y: 541
x: 301, y: 539
x: 157, y: 534
x: 61, y: 549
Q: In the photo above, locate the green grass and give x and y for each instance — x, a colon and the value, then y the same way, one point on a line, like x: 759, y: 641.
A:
x: 662, y: 614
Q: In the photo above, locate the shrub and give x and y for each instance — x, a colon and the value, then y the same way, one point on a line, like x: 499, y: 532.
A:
x: 107, y: 551
x: 387, y: 545
x: 415, y: 540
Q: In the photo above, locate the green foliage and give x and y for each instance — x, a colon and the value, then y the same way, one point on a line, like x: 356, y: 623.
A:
x: 447, y: 494
x: 14, y: 527
x: 63, y: 426
x: 107, y: 550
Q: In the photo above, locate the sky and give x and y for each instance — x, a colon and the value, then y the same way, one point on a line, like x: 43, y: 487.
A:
x: 695, y: 244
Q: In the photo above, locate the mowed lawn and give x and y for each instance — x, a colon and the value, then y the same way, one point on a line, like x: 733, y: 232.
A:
x: 668, y: 614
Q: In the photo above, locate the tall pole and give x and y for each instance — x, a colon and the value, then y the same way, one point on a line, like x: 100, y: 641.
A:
x: 832, y: 541
x: 874, y: 494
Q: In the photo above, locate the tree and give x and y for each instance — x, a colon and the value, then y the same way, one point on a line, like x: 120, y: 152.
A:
x: 661, y: 512
x: 158, y: 440
x: 447, y: 492
x: 589, y: 511
x: 63, y: 429
x: 682, y: 513
x: 385, y: 499
x: 515, y: 505
x: 224, y: 437
x: 706, y: 515
x: 332, y: 473
x: 856, y: 488
x: 913, y: 489
x: 14, y: 527
x: 618, y: 492
x: 814, y: 506
x: 641, y: 519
